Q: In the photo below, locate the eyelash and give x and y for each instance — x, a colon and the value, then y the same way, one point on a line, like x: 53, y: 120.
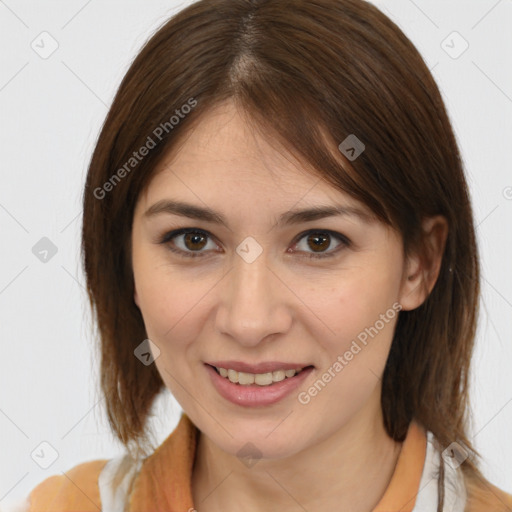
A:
x: 345, y: 242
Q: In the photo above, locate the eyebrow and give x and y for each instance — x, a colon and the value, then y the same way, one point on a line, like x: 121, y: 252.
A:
x: 288, y: 218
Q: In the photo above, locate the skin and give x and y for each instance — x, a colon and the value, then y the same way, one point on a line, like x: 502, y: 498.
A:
x: 283, y: 306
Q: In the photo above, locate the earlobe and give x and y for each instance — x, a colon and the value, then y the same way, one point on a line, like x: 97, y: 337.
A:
x: 414, y: 285
x: 422, y: 267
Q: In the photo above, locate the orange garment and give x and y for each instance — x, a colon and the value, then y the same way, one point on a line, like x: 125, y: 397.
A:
x: 164, y: 480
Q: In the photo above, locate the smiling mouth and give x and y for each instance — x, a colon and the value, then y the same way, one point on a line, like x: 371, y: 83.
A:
x: 259, y: 379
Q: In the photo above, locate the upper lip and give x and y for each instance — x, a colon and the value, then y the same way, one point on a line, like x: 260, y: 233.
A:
x: 264, y: 367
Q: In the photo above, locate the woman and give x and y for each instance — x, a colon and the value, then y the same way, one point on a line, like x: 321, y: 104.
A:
x: 277, y: 229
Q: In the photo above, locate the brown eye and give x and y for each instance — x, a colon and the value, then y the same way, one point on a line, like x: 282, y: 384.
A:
x: 188, y: 242
x: 316, y: 243
x: 194, y: 241
x: 319, y: 242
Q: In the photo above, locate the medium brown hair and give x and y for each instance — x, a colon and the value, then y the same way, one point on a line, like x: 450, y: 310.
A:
x: 308, y: 73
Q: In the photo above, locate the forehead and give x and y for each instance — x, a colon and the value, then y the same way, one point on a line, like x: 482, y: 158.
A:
x: 224, y: 141
x: 225, y: 155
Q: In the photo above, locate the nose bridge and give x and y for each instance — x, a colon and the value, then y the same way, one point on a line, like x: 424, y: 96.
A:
x: 252, y: 306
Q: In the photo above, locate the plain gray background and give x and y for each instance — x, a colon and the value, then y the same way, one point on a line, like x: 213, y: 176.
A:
x: 52, y: 108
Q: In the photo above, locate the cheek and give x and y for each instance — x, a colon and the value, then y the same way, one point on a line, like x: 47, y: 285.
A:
x: 361, y: 317
x: 173, y: 315
x: 171, y: 300
x: 358, y: 316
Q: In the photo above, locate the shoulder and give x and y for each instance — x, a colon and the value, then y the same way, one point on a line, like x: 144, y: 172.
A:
x: 482, y: 496
x: 75, y: 489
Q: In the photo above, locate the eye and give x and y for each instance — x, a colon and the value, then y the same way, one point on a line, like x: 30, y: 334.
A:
x: 190, y: 242
x: 319, y: 240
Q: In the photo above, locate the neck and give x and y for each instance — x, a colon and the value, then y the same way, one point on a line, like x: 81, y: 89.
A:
x: 332, y: 474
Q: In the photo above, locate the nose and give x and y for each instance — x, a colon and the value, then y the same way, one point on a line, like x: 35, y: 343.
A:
x: 254, y: 303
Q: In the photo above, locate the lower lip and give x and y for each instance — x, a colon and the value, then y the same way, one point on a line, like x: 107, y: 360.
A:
x: 254, y: 395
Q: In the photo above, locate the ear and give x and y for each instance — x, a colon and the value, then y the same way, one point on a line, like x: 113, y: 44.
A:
x: 421, y: 268
x: 136, y: 297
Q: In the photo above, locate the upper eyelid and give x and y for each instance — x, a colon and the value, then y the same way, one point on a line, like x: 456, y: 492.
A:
x: 168, y: 236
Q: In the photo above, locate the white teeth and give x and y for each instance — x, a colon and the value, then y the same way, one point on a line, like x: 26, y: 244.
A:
x: 245, y: 378
x: 233, y: 376
x: 278, y: 375
x: 261, y: 379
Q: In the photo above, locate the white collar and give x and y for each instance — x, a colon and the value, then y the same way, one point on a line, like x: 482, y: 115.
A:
x: 455, y: 495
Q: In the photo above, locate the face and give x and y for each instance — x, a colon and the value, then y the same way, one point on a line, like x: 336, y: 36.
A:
x: 263, y: 287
